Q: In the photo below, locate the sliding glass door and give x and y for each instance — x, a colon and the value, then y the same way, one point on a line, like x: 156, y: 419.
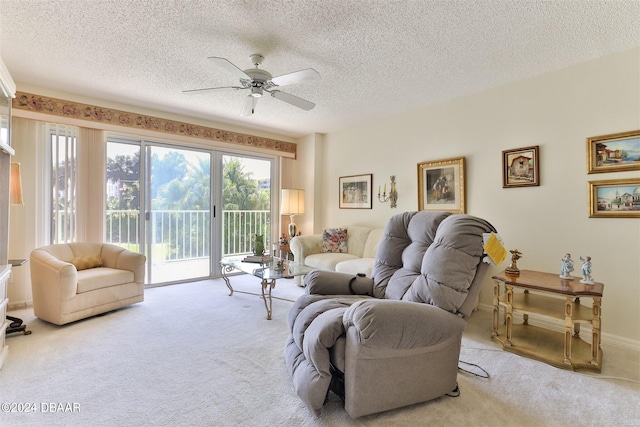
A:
x: 162, y: 199
x: 123, y: 196
x: 178, y: 214
x: 246, y: 204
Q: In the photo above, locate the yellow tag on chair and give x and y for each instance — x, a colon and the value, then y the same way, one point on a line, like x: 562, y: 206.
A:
x: 495, y: 250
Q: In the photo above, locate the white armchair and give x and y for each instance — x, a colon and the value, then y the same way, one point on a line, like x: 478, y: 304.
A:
x: 77, y: 280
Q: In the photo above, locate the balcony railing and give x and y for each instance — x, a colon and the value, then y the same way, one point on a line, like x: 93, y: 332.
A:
x: 180, y: 235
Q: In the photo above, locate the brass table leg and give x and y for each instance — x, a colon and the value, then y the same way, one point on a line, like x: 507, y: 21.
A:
x: 225, y: 269
x: 596, y: 351
x: 576, y: 326
x: 568, y: 329
x: 509, y: 316
x: 496, y: 308
x: 268, y: 285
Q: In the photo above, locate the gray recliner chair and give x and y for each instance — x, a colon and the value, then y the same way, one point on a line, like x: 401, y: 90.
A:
x: 394, y: 339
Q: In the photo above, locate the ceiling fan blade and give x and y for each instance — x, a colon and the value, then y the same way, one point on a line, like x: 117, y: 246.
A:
x: 293, y: 100
x: 296, y: 77
x: 249, y: 106
x: 211, y: 89
x: 229, y: 67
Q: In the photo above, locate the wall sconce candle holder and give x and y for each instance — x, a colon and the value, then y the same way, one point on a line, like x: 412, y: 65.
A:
x: 392, y: 197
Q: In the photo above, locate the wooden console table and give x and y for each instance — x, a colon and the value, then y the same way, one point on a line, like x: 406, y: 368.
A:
x: 535, y: 294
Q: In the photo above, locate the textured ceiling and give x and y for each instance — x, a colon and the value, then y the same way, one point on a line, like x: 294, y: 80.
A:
x: 376, y: 57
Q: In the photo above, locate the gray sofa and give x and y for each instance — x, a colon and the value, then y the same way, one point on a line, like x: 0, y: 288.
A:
x: 394, y: 339
x: 362, y: 243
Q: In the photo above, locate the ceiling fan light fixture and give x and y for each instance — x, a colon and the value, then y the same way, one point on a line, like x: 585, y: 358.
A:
x: 256, y: 59
x: 259, y: 81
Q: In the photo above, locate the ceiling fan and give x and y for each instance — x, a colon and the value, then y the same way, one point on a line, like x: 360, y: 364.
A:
x: 259, y: 81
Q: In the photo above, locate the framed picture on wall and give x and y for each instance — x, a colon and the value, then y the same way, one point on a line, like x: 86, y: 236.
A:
x: 614, y: 153
x: 615, y: 198
x: 441, y: 185
x: 520, y: 167
x: 356, y: 191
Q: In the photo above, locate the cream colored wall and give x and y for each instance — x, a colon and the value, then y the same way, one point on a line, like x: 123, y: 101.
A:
x: 301, y: 173
x: 306, y: 176
x: 25, y: 232
x: 556, y: 111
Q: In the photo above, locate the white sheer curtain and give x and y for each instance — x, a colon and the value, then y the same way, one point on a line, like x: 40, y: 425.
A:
x: 77, y: 166
x: 63, y: 166
x: 91, y: 191
x: 31, y: 227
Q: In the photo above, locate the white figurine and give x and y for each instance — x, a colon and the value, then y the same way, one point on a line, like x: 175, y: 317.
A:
x: 567, y: 267
x: 586, y: 271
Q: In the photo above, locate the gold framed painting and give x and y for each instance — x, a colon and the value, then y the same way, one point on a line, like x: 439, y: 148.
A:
x: 441, y: 185
x: 614, y: 198
x: 520, y: 167
x: 613, y: 153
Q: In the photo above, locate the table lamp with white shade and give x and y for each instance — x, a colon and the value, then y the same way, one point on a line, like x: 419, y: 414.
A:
x: 292, y: 204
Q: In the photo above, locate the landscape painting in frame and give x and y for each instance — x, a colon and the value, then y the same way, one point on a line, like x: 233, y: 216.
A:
x: 441, y: 185
x: 614, y: 153
x: 520, y: 167
x: 356, y: 191
x: 616, y: 198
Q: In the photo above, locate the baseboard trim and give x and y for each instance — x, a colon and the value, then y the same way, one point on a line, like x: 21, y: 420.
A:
x: 19, y: 305
x: 606, y: 338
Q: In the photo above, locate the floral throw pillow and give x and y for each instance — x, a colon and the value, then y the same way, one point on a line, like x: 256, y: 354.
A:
x: 334, y: 240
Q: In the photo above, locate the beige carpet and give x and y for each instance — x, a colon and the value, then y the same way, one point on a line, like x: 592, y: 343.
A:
x: 190, y: 355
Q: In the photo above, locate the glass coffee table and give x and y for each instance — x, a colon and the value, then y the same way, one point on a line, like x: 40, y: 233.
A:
x: 267, y: 271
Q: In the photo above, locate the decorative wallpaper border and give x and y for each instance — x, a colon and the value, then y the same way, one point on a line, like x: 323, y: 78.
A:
x: 92, y: 113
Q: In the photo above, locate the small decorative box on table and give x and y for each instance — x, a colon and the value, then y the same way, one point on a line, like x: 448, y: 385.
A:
x: 535, y: 294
